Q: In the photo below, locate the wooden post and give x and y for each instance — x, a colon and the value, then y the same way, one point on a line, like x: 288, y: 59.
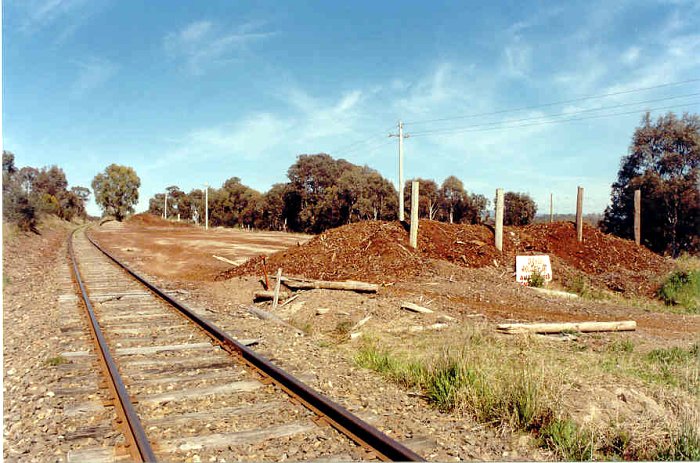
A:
x: 276, y: 296
x: 414, y: 215
x: 579, y: 214
x: 551, y: 208
x: 499, y: 219
x: 637, y: 217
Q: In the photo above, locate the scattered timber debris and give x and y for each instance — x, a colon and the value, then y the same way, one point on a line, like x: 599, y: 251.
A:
x: 223, y: 259
x: 415, y: 308
x: 265, y: 315
x: 276, y: 296
x: 269, y: 295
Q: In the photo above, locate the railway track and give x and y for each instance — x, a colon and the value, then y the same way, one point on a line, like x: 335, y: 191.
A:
x: 183, y: 390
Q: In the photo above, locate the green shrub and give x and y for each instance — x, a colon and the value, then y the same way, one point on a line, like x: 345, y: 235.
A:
x: 683, y: 446
x: 55, y: 361
x: 536, y: 279
x: 567, y: 440
x: 682, y: 288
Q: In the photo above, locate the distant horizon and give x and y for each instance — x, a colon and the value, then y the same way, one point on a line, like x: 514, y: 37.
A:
x: 536, y: 100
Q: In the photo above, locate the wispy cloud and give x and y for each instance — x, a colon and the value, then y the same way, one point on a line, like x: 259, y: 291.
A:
x: 91, y: 75
x: 204, y: 44
x: 64, y: 17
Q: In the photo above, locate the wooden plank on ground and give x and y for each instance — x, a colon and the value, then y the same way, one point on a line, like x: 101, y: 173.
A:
x: 582, y: 327
x: 95, y: 455
x: 269, y: 295
x: 238, y: 386
x: 223, y: 259
x: 249, y: 409
x: 163, y: 348
x: 358, y: 286
x: 415, y: 307
x: 253, y: 436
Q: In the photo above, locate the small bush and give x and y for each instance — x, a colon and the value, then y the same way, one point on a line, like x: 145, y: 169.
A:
x: 567, y: 440
x: 536, y: 279
x: 674, y: 354
x: 682, y: 288
x: 56, y: 361
x: 623, y: 346
x: 684, y: 444
x: 578, y: 285
x: 343, y: 328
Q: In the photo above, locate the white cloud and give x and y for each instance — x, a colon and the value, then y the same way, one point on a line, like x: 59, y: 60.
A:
x: 91, y: 75
x: 518, y: 58
x: 203, y: 44
x: 64, y: 17
x: 631, y: 55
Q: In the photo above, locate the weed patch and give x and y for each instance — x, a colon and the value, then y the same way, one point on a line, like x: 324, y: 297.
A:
x: 567, y: 440
x: 536, y: 279
x: 682, y: 288
x: 56, y: 361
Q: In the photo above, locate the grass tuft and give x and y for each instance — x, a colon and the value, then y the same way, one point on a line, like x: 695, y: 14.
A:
x: 536, y: 279
x: 684, y: 444
x: 56, y: 361
x: 567, y: 440
x: 682, y: 288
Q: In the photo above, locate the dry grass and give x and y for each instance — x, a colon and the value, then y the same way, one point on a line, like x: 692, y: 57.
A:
x: 525, y: 384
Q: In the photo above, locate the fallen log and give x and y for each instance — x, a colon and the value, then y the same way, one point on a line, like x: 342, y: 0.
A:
x: 276, y: 296
x: 582, y: 327
x: 269, y: 295
x: 357, y: 286
x: 264, y: 315
x: 223, y: 259
x: 415, y: 308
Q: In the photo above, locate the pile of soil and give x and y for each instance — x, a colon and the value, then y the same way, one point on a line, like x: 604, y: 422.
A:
x: 369, y: 251
x: 379, y: 252
x: 147, y: 219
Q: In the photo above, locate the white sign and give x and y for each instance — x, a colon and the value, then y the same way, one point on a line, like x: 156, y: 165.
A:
x: 525, y: 265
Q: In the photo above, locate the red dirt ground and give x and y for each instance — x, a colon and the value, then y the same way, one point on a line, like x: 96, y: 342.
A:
x: 379, y: 252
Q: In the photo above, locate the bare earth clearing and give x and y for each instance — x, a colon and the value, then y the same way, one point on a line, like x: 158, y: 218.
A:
x: 597, y: 378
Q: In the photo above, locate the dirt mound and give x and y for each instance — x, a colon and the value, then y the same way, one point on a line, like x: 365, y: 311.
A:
x: 608, y: 261
x: 369, y: 251
x: 379, y: 252
x: 147, y: 219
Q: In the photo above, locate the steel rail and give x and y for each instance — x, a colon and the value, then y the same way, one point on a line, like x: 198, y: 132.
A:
x: 137, y: 443
x: 367, y: 436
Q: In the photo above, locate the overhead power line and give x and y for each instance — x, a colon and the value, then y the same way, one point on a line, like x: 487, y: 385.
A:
x: 554, y: 103
x: 557, y: 121
x: 546, y: 116
x: 346, y: 148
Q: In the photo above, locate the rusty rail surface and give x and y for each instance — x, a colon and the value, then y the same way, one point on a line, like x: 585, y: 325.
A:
x: 362, y: 433
x: 137, y: 443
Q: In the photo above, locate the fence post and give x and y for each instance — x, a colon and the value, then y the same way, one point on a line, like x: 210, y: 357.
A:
x: 551, y: 207
x: 637, y: 217
x: 579, y: 214
x: 414, y: 215
x: 499, y: 219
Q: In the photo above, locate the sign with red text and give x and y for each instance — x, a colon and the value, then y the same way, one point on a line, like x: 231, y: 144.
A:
x: 526, y: 265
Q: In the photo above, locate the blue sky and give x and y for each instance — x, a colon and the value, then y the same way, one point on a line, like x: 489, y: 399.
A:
x: 194, y: 92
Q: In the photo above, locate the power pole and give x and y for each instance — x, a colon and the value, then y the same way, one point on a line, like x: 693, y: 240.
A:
x: 165, y: 209
x: 551, y: 207
x: 206, y: 206
x: 401, y: 136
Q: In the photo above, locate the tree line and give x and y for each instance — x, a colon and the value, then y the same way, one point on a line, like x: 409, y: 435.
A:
x: 322, y: 193
x: 664, y: 164
x: 30, y: 192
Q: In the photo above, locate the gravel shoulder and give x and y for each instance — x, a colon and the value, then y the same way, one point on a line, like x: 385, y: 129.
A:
x: 52, y: 405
